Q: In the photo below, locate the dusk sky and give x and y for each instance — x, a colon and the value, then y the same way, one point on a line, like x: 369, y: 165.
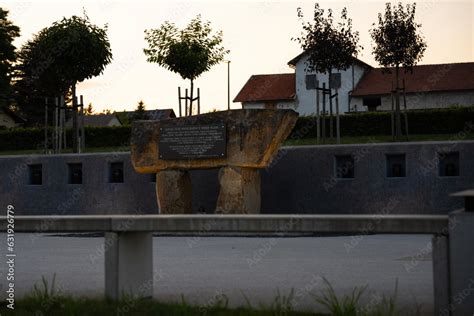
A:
x: 258, y: 35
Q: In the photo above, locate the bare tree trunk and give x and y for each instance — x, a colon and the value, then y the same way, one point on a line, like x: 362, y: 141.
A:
x: 324, y: 114
x: 75, y: 130
x: 338, y: 123
x: 398, y: 121
x: 331, y: 128
x: 318, y: 117
x: 191, y: 99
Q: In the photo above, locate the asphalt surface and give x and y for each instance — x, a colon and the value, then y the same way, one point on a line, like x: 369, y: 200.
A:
x: 204, y: 269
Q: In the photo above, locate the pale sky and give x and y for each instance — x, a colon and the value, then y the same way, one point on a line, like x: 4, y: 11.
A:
x: 257, y: 33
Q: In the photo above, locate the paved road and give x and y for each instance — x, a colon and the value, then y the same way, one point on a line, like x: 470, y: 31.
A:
x: 203, y: 268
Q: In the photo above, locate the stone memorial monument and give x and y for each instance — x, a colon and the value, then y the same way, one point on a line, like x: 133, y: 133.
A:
x: 239, y: 142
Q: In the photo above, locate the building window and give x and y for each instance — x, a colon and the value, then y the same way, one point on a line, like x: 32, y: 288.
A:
x: 344, y: 167
x: 116, y: 172
x: 75, y: 173
x: 449, y: 164
x: 35, y: 174
x: 336, y: 80
x: 372, y: 103
x: 396, y: 166
x: 311, y: 82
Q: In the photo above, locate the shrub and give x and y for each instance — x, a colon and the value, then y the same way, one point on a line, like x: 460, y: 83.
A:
x: 432, y: 121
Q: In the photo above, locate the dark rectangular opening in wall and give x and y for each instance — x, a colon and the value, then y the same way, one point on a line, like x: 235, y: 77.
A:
x: 153, y: 177
x: 116, y: 172
x: 75, y: 173
x: 344, y: 167
x: 449, y: 164
x: 396, y: 165
x: 35, y: 174
x: 335, y: 80
x: 311, y: 82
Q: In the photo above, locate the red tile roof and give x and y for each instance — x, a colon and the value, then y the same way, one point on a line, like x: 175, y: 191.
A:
x: 268, y: 88
x: 425, y: 78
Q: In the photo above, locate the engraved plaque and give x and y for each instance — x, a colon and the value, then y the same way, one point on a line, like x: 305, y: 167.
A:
x: 192, y: 142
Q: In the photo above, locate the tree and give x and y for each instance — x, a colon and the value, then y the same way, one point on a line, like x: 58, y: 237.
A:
x: 140, y: 113
x: 8, y: 33
x: 397, y: 42
x: 328, y: 45
x: 188, y: 52
x: 58, y: 57
x: 89, y: 109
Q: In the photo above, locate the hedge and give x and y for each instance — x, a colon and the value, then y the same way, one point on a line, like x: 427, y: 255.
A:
x: 33, y: 138
x: 433, y: 121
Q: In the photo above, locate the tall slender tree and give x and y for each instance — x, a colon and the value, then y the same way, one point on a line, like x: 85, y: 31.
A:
x: 397, y: 43
x: 8, y: 33
x: 188, y: 52
x: 327, y: 44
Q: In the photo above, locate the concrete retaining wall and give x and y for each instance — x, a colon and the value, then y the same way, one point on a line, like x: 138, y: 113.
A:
x: 300, y: 180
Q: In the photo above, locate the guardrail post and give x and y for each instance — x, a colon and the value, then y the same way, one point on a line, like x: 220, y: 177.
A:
x: 461, y: 258
x: 441, y: 274
x: 128, y: 264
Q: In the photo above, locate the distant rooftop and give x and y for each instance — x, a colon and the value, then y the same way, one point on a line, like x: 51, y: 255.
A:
x: 96, y: 120
x: 268, y: 88
x: 161, y: 114
x: 425, y: 78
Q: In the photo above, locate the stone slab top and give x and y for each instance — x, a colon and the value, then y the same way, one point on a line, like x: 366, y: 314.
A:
x: 280, y: 225
x: 466, y: 193
x: 252, y: 139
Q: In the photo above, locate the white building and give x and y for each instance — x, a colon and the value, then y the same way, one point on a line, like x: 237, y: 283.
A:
x: 362, y: 87
x: 428, y: 86
x: 276, y: 91
x: 10, y: 119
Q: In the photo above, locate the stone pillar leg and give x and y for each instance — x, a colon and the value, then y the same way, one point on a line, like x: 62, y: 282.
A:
x: 239, y: 191
x: 461, y: 263
x: 174, y: 192
x: 128, y: 264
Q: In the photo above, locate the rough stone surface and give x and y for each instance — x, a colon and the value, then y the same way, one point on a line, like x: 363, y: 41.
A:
x: 253, y: 137
x: 174, y: 192
x: 239, y: 191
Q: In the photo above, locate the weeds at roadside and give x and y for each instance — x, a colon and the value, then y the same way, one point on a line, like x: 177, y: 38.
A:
x: 46, y: 299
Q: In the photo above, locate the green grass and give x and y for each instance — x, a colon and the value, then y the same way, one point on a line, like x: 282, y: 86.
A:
x: 45, y: 300
x: 381, y: 139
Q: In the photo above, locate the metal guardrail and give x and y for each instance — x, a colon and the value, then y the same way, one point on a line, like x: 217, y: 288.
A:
x: 129, y: 243
x: 232, y: 224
